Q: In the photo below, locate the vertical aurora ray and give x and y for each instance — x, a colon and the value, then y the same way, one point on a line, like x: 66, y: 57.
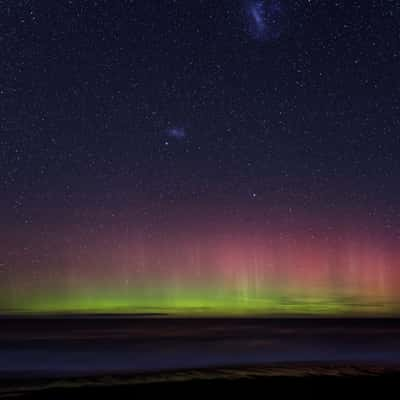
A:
x: 222, y: 272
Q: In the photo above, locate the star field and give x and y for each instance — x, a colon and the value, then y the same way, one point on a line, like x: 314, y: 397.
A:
x: 124, y: 124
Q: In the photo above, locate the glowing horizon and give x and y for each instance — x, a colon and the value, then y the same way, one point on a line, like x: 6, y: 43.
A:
x: 210, y: 272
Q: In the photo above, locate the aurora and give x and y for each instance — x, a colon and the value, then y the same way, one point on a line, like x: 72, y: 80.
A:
x: 200, y: 158
x: 200, y: 272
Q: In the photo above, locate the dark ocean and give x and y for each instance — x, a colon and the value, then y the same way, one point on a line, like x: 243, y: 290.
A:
x: 92, y: 346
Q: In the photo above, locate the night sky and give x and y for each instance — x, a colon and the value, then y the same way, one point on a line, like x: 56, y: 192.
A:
x: 200, y: 157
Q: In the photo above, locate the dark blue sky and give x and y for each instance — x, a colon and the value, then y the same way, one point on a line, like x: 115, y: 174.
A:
x: 307, y: 118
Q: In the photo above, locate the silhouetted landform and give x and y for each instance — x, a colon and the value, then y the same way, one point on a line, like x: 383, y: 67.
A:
x: 282, y: 377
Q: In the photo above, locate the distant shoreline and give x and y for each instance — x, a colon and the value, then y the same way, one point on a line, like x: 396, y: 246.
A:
x: 127, y: 316
x: 247, y: 374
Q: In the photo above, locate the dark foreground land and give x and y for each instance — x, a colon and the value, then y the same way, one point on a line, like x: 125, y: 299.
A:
x: 298, y: 380
x: 117, y: 357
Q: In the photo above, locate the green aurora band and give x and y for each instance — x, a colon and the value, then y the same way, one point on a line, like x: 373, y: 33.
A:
x: 218, y: 276
x: 201, y: 302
